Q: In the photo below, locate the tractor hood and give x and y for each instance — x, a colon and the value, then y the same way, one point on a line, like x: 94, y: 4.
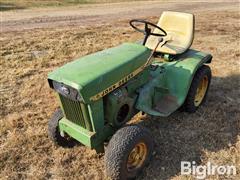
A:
x: 95, y: 73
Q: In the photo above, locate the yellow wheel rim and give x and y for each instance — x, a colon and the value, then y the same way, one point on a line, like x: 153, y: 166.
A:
x: 137, y: 157
x: 201, y: 91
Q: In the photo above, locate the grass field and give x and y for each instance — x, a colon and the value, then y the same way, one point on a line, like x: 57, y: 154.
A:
x: 26, y: 57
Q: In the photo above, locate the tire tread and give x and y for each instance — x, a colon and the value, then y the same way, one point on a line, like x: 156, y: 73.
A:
x: 120, y: 145
x: 189, y: 102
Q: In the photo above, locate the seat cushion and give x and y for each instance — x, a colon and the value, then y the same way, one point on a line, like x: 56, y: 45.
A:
x: 180, y: 31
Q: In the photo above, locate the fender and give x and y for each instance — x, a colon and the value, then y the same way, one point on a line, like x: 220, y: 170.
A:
x: 170, y: 83
x: 188, y: 63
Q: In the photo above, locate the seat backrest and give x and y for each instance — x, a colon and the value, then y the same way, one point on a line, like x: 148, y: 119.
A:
x: 180, y: 29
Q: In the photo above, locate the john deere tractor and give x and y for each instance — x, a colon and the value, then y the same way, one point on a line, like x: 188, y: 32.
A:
x: 99, y: 93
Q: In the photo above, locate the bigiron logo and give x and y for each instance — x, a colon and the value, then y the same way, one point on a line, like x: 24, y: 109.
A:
x: 202, y: 171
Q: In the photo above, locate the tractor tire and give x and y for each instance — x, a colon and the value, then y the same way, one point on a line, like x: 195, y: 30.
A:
x: 54, y: 133
x: 128, y: 151
x: 199, y: 88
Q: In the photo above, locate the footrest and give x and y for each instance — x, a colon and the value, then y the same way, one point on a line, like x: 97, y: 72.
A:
x: 166, y: 105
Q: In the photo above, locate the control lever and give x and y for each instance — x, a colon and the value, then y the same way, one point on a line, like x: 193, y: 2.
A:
x: 152, y: 53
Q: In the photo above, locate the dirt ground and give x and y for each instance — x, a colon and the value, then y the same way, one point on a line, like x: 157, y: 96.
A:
x: 86, y: 15
x: 32, y: 45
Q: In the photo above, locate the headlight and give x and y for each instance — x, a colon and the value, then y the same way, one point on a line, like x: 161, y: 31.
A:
x: 66, y: 91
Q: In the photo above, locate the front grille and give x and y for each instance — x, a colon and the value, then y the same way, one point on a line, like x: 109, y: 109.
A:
x: 75, y: 112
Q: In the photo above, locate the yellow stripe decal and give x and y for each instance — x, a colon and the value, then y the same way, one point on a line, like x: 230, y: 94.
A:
x: 117, y: 84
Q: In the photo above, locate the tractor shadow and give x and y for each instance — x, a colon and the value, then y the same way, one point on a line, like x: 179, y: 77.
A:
x: 187, y: 137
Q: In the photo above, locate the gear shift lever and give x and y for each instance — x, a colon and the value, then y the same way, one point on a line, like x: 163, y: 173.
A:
x: 152, y: 53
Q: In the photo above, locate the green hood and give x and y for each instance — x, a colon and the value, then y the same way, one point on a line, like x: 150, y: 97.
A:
x: 94, y: 73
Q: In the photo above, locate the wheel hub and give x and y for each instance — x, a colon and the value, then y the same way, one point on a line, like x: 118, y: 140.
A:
x: 201, y: 90
x: 137, y: 157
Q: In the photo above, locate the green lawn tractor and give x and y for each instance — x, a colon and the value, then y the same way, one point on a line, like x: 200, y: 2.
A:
x: 99, y: 93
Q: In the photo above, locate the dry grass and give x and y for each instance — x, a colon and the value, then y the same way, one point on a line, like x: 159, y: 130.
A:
x: 211, y: 134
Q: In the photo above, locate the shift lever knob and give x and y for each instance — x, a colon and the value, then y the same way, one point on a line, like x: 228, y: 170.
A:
x: 160, y: 39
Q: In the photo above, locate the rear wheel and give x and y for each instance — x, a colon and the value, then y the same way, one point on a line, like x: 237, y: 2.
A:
x: 128, y: 152
x: 54, y: 133
x: 198, y: 90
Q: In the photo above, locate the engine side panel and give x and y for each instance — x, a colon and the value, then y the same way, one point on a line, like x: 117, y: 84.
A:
x: 119, y: 106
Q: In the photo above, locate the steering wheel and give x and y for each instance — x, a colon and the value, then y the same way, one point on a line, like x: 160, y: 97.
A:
x: 147, y: 31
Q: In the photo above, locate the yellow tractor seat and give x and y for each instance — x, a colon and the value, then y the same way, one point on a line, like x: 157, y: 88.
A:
x: 180, y: 31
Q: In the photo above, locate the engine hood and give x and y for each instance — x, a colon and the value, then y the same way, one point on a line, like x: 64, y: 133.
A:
x: 94, y: 73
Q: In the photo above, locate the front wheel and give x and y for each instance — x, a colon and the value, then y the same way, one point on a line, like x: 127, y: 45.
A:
x: 128, y: 152
x: 54, y: 133
x: 198, y: 90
